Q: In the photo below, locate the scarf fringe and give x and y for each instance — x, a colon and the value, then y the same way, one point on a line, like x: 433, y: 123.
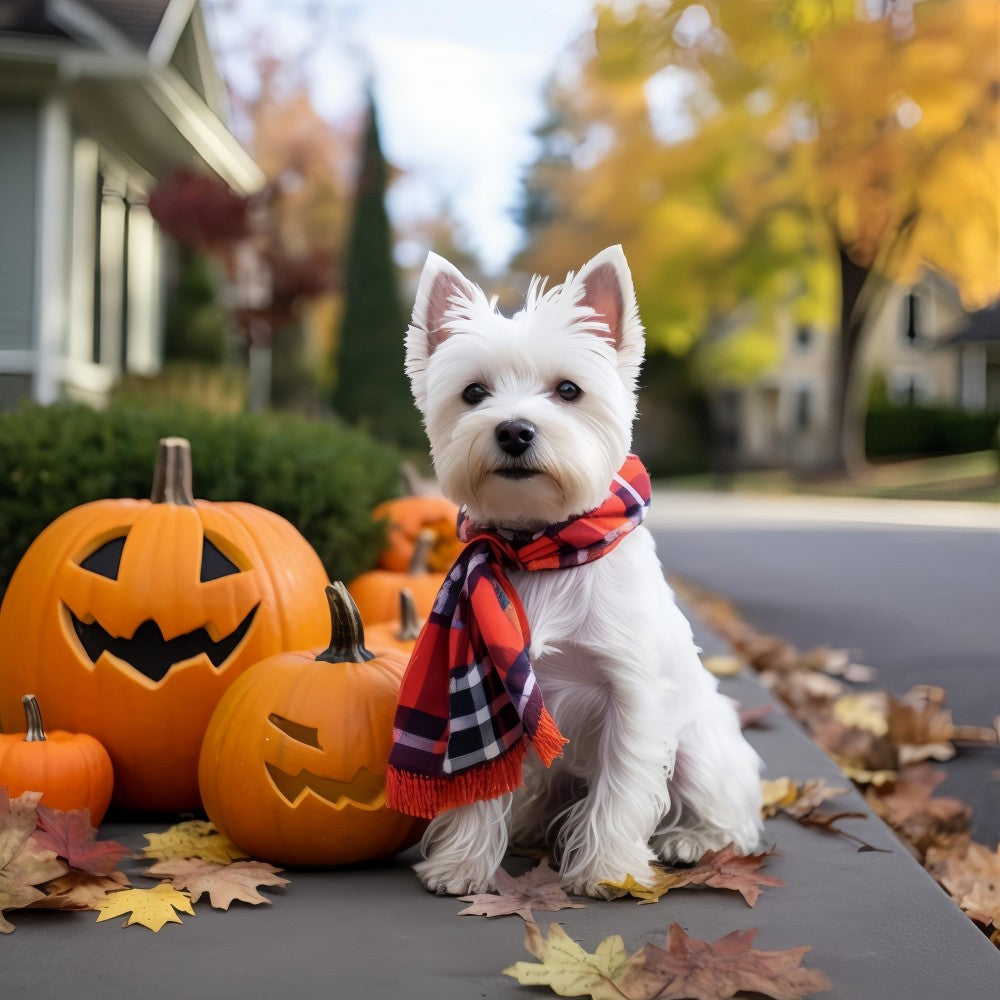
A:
x: 426, y: 796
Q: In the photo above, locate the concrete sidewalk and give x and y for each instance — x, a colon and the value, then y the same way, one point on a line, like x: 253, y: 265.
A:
x: 879, y: 927
x: 703, y: 508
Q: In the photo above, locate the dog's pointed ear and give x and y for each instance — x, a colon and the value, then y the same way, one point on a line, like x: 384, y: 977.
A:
x: 440, y: 284
x: 607, y: 289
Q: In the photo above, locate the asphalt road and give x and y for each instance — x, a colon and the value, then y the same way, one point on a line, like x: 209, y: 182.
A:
x: 911, y: 590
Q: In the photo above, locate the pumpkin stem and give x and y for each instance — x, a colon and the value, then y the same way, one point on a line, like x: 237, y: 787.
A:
x: 421, y: 552
x: 409, y: 623
x: 33, y: 715
x: 347, y: 634
x: 172, y: 475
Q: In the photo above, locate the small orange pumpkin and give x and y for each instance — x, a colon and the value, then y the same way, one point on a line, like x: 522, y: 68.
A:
x: 400, y: 634
x: 376, y: 592
x: 293, y: 764
x: 71, y: 770
x: 130, y: 618
x: 409, y: 517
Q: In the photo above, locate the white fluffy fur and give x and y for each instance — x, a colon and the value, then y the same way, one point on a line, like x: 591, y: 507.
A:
x: 656, y: 766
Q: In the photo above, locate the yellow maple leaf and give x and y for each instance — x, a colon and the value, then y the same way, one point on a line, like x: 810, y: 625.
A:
x: 150, y: 907
x: 724, y: 665
x: 776, y: 794
x: 662, y: 882
x: 564, y: 966
x: 193, y: 839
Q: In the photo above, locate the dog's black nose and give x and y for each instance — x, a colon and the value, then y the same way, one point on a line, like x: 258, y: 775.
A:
x: 515, y: 436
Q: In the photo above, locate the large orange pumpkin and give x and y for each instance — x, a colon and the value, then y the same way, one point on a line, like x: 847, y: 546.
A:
x: 293, y: 764
x: 130, y: 618
x: 71, y: 770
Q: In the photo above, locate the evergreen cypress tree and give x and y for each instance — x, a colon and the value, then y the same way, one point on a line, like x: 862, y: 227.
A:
x: 371, y: 386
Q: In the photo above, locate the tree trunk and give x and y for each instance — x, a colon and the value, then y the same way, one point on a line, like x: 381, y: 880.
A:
x: 846, y: 442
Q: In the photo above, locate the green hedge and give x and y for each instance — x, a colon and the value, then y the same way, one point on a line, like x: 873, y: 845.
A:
x: 894, y: 430
x: 323, y: 478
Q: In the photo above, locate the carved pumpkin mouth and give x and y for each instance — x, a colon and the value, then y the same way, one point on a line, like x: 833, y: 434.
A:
x: 152, y: 655
x: 364, y: 789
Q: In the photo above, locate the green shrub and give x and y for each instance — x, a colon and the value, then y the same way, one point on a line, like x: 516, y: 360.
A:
x: 896, y: 430
x: 323, y: 478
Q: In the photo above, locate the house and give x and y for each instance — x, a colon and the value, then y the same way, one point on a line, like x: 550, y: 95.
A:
x: 99, y: 101
x: 920, y: 340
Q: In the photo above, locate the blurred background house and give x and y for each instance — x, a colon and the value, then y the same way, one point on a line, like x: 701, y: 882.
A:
x: 99, y: 101
x: 922, y: 349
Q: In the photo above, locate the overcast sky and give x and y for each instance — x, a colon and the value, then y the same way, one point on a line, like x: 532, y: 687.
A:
x: 458, y: 86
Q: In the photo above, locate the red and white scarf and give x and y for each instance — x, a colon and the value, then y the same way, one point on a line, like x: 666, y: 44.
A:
x: 469, y: 706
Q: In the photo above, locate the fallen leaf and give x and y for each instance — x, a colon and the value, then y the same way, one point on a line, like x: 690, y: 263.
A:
x: 24, y: 866
x: 663, y: 881
x: 724, y: 869
x: 563, y: 965
x: 223, y: 883
x: 724, y: 665
x: 192, y: 839
x: 812, y: 793
x: 18, y: 819
x: 717, y: 970
x: 970, y: 873
x: 78, y: 891
x: 909, y: 806
x: 776, y: 793
x: 538, y: 889
x: 755, y: 715
x: 150, y: 907
x: 70, y: 835
x: 864, y: 710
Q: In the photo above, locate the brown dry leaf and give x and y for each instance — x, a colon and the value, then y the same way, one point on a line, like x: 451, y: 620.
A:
x: 193, y: 839
x: 728, y: 869
x: 852, y: 746
x: 812, y: 793
x: 838, y: 663
x: 724, y: 869
x: 538, y: 889
x: 77, y: 890
x: 24, y: 866
x: 564, y: 966
x: 755, y: 715
x: 920, y: 727
x: 70, y: 835
x: 150, y: 907
x: 223, y: 883
x: 909, y: 806
x: 690, y: 969
x: 970, y: 873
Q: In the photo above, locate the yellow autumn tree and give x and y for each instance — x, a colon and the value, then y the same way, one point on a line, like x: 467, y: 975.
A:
x: 809, y: 152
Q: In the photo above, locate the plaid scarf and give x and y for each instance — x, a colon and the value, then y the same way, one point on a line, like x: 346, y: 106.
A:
x: 469, y: 705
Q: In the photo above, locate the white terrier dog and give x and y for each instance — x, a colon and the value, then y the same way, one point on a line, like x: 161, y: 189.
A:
x: 530, y: 419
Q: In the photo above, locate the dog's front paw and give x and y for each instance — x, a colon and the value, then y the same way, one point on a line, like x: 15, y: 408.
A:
x: 453, y: 880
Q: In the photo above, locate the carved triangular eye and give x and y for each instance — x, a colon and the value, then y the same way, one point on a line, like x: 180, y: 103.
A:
x: 106, y: 560
x: 214, y: 564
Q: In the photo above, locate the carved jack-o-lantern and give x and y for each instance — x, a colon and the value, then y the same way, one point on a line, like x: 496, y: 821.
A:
x: 130, y: 618
x: 293, y: 764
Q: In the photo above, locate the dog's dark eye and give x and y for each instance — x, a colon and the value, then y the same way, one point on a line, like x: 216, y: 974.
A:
x: 474, y: 393
x: 569, y: 391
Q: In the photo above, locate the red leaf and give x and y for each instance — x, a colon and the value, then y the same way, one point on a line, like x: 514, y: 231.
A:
x: 70, y: 835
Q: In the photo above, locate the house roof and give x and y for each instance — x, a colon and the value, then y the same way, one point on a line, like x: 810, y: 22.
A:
x: 140, y: 72
x: 982, y: 327
x: 136, y: 20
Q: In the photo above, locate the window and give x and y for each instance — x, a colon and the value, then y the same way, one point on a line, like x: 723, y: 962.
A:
x: 803, y: 338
